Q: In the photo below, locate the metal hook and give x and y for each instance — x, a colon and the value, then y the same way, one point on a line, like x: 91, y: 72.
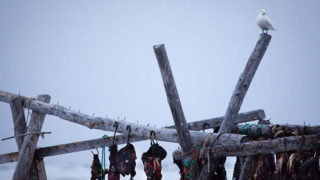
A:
x: 204, y: 126
x: 128, y: 129
x: 115, y: 131
x: 152, y: 138
x: 97, y: 152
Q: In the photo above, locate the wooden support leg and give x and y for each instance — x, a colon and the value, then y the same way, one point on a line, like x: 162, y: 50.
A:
x: 243, y: 84
x: 20, y: 127
x: 29, y: 143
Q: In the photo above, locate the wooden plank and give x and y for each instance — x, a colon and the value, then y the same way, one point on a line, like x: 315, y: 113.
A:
x: 106, y: 124
x: 216, y: 122
x: 173, y: 98
x: 29, y: 143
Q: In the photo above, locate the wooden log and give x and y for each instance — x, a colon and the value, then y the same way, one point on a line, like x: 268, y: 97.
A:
x: 20, y: 128
x: 29, y: 143
x: 244, y: 83
x: 273, y: 146
x: 243, y: 86
x: 71, y: 147
x: 293, y: 143
x: 19, y: 121
x: 173, y: 98
x: 41, y: 170
x: 106, y: 124
x: 266, y: 130
x: 216, y: 122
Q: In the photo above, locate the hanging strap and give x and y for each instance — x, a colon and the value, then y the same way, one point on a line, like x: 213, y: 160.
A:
x: 103, y: 159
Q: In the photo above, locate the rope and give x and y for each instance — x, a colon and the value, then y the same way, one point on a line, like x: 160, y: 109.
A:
x: 249, y: 132
x: 190, y: 167
x: 103, y: 159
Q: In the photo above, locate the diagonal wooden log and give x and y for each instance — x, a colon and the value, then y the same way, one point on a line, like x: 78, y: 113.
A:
x: 242, y: 87
x: 29, y: 143
x: 20, y: 127
x: 240, y: 91
x: 173, y: 98
x: 244, y: 83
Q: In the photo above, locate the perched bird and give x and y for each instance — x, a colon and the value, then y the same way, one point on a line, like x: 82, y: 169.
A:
x: 264, y: 22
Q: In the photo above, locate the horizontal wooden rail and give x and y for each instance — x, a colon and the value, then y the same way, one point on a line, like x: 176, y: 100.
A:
x: 292, y: 143
x: 106, y: 124
x: 122, y: 139
x: 216, y: 122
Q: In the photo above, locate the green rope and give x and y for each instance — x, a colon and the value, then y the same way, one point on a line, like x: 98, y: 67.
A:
x: 259, y: 129
x: 249, y: 132
x: 243, y: 127
x: 190, y: 163
x: 103, y: 159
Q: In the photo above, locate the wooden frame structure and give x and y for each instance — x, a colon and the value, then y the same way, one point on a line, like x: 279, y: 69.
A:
x: 229, y: 141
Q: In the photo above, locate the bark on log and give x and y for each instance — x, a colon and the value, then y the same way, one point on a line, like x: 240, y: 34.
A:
x: 173, y: 98
x: 29, y: 143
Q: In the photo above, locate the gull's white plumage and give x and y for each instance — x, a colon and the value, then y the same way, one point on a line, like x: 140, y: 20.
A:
x: 264, y: 22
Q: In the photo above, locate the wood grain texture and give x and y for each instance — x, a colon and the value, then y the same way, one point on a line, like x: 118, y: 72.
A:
x: 19, y: 123
x: 106, y: 124
x: 30, y: 142
x: 244, y: 83
x: 173, y: 98
x: 216, y: 122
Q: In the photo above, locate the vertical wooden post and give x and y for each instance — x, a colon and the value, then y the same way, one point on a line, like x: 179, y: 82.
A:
x: 20, y: 127
x: 28, y: 147
x: 173, y: 98
x: 19, y: 120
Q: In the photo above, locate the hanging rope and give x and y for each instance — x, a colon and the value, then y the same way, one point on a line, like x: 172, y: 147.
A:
x: 191, y: 167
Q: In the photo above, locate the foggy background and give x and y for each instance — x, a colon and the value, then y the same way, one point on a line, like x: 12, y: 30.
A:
x: 97, y: 56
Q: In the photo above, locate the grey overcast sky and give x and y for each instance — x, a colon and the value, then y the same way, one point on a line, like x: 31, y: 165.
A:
x: 97, y: 56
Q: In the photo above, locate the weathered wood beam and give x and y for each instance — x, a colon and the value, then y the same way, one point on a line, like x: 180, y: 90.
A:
x: 273, y: 146
x: 19, y: 121
x: 173, y: 98
x: 29, y: 143
x: 20, y: 127
x: 216, y: 122
x: 71, y: 147
x: 122, y: 139
x: 106, y: 124
x: 244, y: 83
x: 266, y: 130
x: 292, y: 143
